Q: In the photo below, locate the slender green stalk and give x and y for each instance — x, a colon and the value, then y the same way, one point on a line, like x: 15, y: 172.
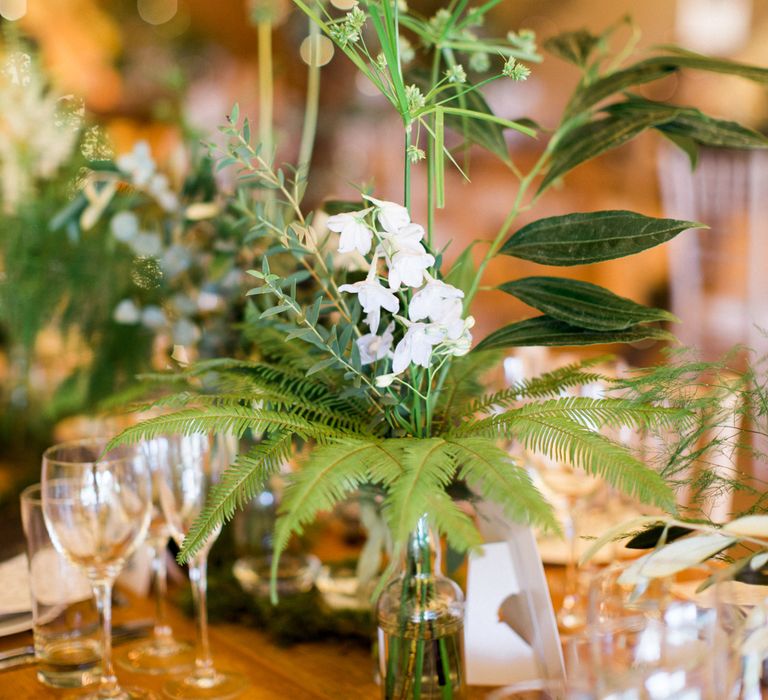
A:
x: 266, y: 87
x: 309, y: 129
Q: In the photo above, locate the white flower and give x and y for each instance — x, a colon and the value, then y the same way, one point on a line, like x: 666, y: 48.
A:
x: 159, y: 189
x: 146, y: 244
x: 375, y: 347
x: 126, y: 312
x: 355, y: 234
x: 416, y: 346
x: 458, y: 338
x: 176, y: 260
x: 408, y: 266
x: 437, y: 301
x: 124, y: 226
x: 373, y: 298
x: 153, y: 317
x: 406, y: 257
x: 138, y: 164
x: 391, y: 216
x: 384, y: 380
x: 185, y: 332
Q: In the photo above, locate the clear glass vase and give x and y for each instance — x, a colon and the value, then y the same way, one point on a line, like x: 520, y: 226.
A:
x: 421, y: 627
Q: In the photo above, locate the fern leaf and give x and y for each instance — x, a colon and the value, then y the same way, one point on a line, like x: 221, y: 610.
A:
x: 594, y: 413
x: 547, y: 384
x: 501, y: 480
x: 227, y: 419
x: 330, y: 473
x: 564, y: 440
x: 427, y: 467
x: 463, y: 381
x: 450, y: 520
x: 239, y: 483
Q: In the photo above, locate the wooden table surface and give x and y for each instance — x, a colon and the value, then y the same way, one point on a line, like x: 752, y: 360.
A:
x: 316, y: 671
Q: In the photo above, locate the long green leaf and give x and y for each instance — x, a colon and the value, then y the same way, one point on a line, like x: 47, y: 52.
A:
x: 655, y: 68
x: 579, y: 239
x: 489, y: 135
x: 543, y: 330
x: 596, y: 137
x: 582, y: 304
x: 637, y: 74
x: 694, y: 124
x: 574, y: 47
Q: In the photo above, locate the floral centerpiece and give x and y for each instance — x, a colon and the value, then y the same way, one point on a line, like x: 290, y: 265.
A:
x: 376, y: 379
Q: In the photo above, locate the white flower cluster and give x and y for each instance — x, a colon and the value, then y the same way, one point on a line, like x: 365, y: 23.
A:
x: 39, y: 129
x: 433, y: 320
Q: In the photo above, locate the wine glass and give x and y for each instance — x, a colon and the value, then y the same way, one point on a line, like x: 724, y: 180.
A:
x: 658, y: 639
x: 190, y: 465
x: 97, y: 506
x: 574, y: 487
x: 162, y: 654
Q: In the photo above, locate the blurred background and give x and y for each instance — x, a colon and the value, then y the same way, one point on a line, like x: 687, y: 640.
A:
x: 81, y: 314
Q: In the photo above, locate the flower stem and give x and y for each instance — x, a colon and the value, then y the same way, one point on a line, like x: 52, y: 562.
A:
x: 309, y: 129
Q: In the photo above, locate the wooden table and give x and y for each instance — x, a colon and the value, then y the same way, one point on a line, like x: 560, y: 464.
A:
x: 317, y: 671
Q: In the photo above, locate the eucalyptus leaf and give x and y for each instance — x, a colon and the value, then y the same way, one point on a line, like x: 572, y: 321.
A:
x: 650, y: 538
x: 544, y: 330
x: 596, y: 137
x: 582, y: 304
x: 582, y: 238
x: 675, y: 557
x: 748, y: 526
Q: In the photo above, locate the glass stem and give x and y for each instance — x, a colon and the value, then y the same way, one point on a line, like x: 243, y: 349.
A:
x: 571, y: 588
x: 198, y: 576
x: 102, y: 592
x: 162, y: 631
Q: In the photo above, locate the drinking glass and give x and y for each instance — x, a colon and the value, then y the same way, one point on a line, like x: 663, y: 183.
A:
x: 97, y: 507
x: 574, y: 486
x: 657, y: 640
x: 65, y: 619
x: 190, y: 465
x: 162, y: 654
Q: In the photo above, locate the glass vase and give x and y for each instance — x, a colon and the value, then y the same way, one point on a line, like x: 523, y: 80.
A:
x: 421, y: 627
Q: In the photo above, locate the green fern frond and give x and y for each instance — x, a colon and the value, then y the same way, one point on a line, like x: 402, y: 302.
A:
x: 427, y: 468
x: 239, y: 483
x: 331, y: 472
x: 450, y: 520
x: 499, y: 479
x: 594, y: 413
x: 564, y: 440
x: 547, y: 384
x: 228, y: 419
x: 385, y: 461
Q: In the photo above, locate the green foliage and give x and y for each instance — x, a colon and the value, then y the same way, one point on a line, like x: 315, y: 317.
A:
x: 580, y: 239
x: 547, y: 331
x: 241, y: 481
x: 582, y: 304
x: 500, y: 479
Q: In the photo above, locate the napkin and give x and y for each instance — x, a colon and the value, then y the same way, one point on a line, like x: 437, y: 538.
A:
x: 14, y: 586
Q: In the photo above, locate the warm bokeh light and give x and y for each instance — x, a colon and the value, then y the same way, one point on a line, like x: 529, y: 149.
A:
x: 157, y: 11
x: 316, y: 50
x: 344, y: 4
x: 13, y: 9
